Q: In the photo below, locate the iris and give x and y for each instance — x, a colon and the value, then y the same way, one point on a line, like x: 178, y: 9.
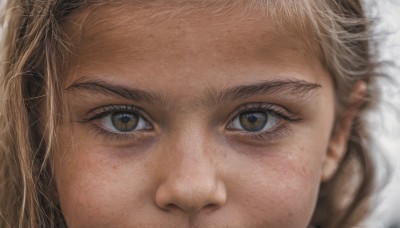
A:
x: 253, y: 121
x: 124, y: 122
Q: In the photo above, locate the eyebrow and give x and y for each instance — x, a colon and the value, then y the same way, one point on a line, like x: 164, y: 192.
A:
x: 106, y: 88
x: 294, y: 87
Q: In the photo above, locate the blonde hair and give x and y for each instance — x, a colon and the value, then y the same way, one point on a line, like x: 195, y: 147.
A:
x: 35, y: 51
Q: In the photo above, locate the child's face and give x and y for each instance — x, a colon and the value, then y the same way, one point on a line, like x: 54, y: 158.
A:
x: 204, y: 120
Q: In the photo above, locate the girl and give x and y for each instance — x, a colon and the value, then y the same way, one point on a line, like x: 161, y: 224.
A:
x: 183, y: 113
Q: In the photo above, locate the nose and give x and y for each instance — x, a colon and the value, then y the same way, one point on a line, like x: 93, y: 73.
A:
x: 191, y: 184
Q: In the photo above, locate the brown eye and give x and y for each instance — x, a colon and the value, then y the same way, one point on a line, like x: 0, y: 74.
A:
x: 124, y: 122
x: 253, y: 121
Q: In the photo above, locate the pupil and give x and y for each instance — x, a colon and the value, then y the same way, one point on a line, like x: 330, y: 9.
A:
x: 125, y: 118
x: 252, y: 118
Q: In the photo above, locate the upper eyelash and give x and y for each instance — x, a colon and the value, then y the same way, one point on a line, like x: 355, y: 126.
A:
x: 280, y: 131
x: 103, y: 111
x: 270, y: 108
x: 257, y: 107
x: 273, y: 109
x: 106, y: 110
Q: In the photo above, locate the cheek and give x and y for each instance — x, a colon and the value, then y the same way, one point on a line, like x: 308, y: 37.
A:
x: 97, y: 187
x: 283, y: 185
x: 275, y: 185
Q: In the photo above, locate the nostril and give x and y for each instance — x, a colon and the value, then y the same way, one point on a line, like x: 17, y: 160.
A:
x: 211, y: 207
x: 190, y: 210
x: 190, y: 201
x: 171, y: 207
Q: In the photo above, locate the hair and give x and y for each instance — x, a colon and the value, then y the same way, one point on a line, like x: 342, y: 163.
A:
x: 36, y: 49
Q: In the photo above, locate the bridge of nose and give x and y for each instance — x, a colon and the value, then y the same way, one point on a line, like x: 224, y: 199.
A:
x: 190, y: 176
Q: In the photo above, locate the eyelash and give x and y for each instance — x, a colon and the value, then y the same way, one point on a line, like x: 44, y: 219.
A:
x: 278, y: 131
x: 277, y: 111
x: 104, y: 111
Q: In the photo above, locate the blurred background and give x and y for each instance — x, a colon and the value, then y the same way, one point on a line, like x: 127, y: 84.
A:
x: 385, y: 120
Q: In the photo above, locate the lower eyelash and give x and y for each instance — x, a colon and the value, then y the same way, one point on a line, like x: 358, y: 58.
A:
x: 281, y: 130
x: 107, y: 110
x: 99, y: 131
x: 277, y: 133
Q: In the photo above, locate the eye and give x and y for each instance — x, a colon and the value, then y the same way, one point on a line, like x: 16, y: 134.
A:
x: 124, y: 122
x: 254, y: 121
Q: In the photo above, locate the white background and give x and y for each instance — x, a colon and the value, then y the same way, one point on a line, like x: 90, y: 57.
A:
x: 385, y: 122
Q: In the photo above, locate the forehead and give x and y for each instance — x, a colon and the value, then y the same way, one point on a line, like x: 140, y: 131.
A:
x: 140, y: 24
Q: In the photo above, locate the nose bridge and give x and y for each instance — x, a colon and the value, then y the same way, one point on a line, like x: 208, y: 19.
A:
x: 191, y: 181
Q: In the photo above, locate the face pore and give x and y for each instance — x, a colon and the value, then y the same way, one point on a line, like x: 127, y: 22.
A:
x: 204, y: 119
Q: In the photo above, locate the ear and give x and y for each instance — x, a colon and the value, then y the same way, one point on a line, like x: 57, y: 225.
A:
x: 337, y: 146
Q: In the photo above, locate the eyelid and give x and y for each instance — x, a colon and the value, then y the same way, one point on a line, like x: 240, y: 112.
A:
x: 97, y: 115
x: 273, y: 109
x: 142, y: 124
x: 253, y: 107
x: 280, y: 130
x: 105, y: 110
x: 235, y: 123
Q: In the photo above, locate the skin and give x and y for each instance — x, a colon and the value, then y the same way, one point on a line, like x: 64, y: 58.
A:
x: 191, y: 169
